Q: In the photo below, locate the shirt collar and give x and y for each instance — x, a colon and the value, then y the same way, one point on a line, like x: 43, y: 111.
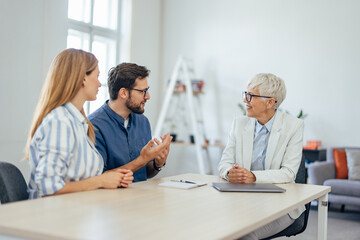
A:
x: 75, y: 112
x: 116, y: 116
x: 267, y: 125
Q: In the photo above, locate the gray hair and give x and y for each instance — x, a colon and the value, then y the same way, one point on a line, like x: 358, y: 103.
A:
x: 269, y: 85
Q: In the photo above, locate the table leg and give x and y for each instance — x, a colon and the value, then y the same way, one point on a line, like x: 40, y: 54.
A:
x: 322, y: 217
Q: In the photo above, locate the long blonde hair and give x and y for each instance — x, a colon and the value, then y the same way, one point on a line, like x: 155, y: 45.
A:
x: 63, y: 82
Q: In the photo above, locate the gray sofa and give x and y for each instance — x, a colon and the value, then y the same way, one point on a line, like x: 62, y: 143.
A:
x: 343, y: 191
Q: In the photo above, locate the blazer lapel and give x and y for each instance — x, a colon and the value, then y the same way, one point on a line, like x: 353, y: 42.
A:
x: 273, y: 140
x: 248, y: 139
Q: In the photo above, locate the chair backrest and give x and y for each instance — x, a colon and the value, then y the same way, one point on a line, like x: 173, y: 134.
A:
x: 301, y: 174
x: 301, y: 222
x: 12, y: 184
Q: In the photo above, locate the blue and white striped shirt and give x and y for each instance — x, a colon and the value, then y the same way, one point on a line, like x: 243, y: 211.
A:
x: 61, y: 152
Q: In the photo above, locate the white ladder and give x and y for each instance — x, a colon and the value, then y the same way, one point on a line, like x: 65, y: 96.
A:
x: 184, y: 72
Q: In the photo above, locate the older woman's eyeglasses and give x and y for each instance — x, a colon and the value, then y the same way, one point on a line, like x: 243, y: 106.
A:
x: 144, y: 91
x: 248, y: 96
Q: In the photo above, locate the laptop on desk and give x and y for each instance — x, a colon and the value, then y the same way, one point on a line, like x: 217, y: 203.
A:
x: 248, y: 187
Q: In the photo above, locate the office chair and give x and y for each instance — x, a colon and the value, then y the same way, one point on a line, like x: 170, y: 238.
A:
x: 301, y: 222
x: 12, y: 184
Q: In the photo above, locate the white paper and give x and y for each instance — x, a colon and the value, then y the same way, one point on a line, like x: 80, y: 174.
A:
x: 182, y: 185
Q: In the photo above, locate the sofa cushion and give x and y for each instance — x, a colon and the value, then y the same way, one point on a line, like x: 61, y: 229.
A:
x: 343, y: 199
x: 353, y: 161
x: 344, y: 187
x: 340, y: 164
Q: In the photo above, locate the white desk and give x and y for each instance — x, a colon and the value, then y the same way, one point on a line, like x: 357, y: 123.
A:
x: 148, y: 211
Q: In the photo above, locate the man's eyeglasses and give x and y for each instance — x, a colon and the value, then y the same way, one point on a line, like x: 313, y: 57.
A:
x: 144, y: 91
x: 248, y: 96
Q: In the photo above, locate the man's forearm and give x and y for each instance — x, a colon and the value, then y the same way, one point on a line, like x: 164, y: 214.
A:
x: 135, y: 164
x: 150, y: 170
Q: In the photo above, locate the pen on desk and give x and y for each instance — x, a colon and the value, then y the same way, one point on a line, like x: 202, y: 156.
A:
x: 183, y: 181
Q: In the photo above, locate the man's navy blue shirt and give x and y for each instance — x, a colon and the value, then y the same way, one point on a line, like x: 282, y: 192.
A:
x: 119, y: 145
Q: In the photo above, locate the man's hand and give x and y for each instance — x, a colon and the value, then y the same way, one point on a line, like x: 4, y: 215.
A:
x: 154, y: 148
x: 240, y: 175
x: 161, y: 158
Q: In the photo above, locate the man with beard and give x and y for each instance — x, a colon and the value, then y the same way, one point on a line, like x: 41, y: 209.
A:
x: 123, y: 133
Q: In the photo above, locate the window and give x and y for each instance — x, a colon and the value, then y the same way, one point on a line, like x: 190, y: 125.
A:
x: 94, y: 26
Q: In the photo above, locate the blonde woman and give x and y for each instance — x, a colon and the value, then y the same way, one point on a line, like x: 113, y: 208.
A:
x: 60, y: 147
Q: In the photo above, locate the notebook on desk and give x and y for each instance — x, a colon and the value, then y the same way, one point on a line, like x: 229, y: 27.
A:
x: 182, y: 185
x: 247, y: 187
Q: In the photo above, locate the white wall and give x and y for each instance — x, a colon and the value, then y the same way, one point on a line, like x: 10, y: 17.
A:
x: 146, y: 48
x: 312, y: 45
x: 32, y: 33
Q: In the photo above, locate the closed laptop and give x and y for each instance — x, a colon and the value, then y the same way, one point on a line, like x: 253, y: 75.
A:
x: 248, y: 187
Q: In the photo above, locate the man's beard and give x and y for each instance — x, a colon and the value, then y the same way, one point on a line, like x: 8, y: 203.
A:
x: 135, y: 108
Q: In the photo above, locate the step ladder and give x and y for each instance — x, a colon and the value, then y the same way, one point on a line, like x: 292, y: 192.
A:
x: 187, y: 107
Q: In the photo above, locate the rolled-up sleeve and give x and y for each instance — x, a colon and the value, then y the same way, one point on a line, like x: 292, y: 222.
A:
x: 55, y: 150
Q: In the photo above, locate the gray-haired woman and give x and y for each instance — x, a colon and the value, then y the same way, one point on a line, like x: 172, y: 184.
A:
x: 265, y: 146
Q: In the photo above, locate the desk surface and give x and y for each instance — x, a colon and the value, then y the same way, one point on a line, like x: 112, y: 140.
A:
x: 148, y: 211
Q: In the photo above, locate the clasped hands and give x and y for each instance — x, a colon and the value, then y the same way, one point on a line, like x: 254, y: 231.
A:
x: 238, y: 174
x: 157, y: 150
x: 117, y: 178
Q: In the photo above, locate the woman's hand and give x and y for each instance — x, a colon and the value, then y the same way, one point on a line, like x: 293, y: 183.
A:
x: 240, y: 175
x: 111, y: 179
x: 128, y: 177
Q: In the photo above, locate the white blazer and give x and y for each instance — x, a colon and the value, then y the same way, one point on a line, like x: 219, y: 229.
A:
x: 283, y: 154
